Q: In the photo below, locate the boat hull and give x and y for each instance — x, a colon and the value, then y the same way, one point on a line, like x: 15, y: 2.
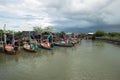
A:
x: 12, y: 51
x: 63, y: 45
x: 27, y: 48
x: 44, y: 47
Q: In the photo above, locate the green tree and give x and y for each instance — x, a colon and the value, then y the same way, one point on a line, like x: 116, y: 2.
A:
x: 62, y: 33
x: 38, y: 29
x: 9, y: 31
x: 47, y: 29
x: 99, y: 33
x: 1, y: 31
x: 41, y: 30
x: 114, y: 34
x: 83, y: 34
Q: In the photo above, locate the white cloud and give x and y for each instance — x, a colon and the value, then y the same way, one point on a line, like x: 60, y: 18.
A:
x: 113, y: 16
x: 66, y: 13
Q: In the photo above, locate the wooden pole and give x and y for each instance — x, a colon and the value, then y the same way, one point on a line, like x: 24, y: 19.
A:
x: 13, y: 40
x: 4, y: 34
x: 41, y: 38
x: 29, y: 36
x: 4, y: 38
x: 52, y: 38
x: 1, y: 37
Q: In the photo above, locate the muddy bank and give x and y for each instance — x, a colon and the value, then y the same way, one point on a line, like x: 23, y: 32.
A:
x: 111, y: 40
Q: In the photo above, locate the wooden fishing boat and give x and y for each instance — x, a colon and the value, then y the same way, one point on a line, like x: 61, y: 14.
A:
x: 1, y: 47
x: 78, y: 40
x: 9, y: 49
x: 27, y: 48
x: 45, y: 46
x: 75, y: 41
x: 63, y: 45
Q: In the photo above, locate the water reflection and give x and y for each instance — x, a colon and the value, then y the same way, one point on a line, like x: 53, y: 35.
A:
x: 98, y: 43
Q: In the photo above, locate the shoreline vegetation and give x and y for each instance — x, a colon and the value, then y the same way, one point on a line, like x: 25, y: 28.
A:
x: 113, y: 37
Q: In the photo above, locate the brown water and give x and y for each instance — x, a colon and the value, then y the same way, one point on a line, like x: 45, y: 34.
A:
x: 91, y: 60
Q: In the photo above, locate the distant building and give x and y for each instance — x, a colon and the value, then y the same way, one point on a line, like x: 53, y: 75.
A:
x: 90, y: 34
x: 68, y: 33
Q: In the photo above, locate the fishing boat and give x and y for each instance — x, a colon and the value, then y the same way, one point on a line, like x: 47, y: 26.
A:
x: 46, y: 46
x: 75, y: 41
x: 63, y: 45
x: 1, y: 46
x: 78, y: 40
x: 9, y: 49
x: 27, y: 48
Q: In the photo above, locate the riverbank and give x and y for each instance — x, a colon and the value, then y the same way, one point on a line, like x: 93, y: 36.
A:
x: 108, y: 39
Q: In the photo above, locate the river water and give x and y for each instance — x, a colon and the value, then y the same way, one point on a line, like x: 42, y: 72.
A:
x: 89, y: 60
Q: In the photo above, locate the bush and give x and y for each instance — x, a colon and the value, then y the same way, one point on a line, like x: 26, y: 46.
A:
x: 93, y: 37
x: 114, y: 34
x: 99, y: 33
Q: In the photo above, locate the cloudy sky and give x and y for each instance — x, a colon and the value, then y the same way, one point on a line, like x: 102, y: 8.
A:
x: 68, y: 15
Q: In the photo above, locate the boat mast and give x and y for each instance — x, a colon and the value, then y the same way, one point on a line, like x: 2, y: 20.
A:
x: 13, y: 42
x: 41, y: 38
x: 29, y: 36
x: 1, y: 37
x: 52, y: 37
x: 4, y: 34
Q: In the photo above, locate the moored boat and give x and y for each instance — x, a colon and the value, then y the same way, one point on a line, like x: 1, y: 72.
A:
x: 27, y: 48
x: 63, y: 45
x: 9, y: 49
x: 46, y: 46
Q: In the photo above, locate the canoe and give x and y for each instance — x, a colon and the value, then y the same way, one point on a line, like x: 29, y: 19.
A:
x: 27, y: 48
x: 11, y: 50
x: 63, y: 45
x: 45, y: 46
